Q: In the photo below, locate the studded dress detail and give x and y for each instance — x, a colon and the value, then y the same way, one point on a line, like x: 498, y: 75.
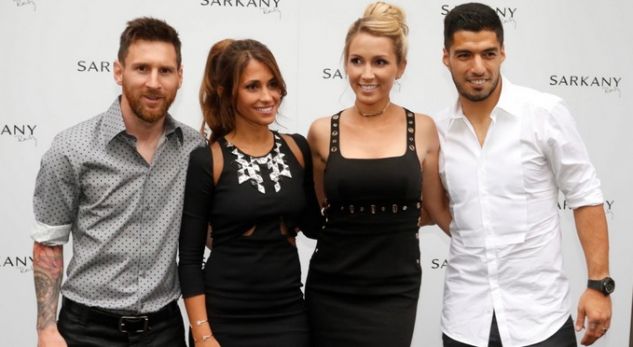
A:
x: 364, y: 278
x: 252, y: 277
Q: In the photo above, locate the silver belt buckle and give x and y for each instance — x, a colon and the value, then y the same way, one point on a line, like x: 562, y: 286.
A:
x: 124, y: 319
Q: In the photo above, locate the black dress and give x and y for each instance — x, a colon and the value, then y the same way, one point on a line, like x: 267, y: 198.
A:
x: 252, y: 277
x: 364, y: 278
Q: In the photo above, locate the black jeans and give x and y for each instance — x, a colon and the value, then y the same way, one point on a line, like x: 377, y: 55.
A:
x: 564, y: 337
x: 83, y: 326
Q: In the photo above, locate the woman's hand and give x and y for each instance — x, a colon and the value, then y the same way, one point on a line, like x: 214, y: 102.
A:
x: 209, y: 342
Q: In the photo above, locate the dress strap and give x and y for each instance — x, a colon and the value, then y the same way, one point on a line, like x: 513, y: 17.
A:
x: 410, y: 130
x: 334, y: 133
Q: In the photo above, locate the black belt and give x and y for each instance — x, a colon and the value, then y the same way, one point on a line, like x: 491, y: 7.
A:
x: 371, y: 209
x: 133, y: 323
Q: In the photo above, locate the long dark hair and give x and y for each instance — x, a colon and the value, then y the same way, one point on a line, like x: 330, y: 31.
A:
x: 226, y: 61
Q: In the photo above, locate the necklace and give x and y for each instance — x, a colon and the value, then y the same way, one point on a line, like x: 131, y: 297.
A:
x: 250, y: 168
x: 367, y: 115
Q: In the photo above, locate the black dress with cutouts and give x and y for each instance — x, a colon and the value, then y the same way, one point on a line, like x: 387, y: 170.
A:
x: 364, y: 278
x: 252, y: 277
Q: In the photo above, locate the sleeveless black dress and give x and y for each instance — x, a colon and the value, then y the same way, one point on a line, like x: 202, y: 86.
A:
x: 252, y: 277
x: 364, y: 278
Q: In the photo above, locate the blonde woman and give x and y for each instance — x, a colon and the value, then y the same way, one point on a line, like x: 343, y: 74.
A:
x: 373, y: 162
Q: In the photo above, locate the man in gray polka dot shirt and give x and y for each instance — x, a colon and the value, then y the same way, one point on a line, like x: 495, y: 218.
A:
x: 115, y: 182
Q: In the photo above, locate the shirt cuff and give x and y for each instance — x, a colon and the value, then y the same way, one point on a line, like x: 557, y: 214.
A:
x: 592, y: 199
x: 50, y: 235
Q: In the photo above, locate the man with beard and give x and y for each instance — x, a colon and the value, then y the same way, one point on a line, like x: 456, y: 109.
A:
x: 506, y: 152
x: 116, y: 182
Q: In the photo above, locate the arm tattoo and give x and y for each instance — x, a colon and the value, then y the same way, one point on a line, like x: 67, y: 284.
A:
x: 48, y: 269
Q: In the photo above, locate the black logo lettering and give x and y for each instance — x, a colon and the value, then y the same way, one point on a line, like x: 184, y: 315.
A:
x: 329, y: 73
x: 438, y: 263
x: 93, y: 66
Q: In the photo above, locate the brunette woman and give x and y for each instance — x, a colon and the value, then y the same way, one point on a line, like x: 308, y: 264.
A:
x: 252, y: 187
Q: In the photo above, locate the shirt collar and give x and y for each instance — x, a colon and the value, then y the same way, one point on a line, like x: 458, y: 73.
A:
x: 508, y: 98
x: 507, y: 102
x: 113, y: 124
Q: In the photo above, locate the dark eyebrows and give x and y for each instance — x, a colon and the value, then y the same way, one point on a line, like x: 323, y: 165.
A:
x: 468, y: 51
x: 170, y: 68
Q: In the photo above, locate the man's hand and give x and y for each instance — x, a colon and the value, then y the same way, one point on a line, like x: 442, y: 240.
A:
x: 595, y: 307
x: 50, y: 337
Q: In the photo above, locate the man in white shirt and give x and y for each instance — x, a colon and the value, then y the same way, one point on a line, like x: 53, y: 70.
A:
x: 506, y: 153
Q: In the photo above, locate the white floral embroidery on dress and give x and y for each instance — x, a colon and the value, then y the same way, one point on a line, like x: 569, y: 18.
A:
x: 249, y: 167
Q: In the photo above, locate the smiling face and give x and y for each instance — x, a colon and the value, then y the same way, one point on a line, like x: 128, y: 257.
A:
x: 474, y: 60
x: 372, y: 67
x: 258, y: 95
x: 150, y: 77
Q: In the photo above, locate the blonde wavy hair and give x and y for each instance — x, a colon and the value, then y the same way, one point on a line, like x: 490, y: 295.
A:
x: 385, y: 20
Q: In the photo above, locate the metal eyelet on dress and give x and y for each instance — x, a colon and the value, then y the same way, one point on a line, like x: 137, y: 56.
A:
x: 410, y: 121
x: 405, y: 207
x: 361, y: 209
x: 335, y: 117
x: 383, y: 208
x: 418, y: 205
x: 335, y: 125
x: 334, y: 140
x: 394, y: 208
x: 372, y: 207
x: 412, y: 147
x: 334, y: 149
x: 351, y: 209
x: 410, y: 130
x: 334, y: 133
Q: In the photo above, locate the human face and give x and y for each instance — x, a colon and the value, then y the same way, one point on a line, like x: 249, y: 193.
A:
x: 474, y: 60
x: 258, y: 95
x: 150, y: 77
x: 372, y: 67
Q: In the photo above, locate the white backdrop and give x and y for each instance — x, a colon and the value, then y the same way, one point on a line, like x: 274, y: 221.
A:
x: 56, y: 58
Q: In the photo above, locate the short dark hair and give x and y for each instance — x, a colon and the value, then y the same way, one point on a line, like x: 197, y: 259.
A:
x: 472, y: 16
x: 149, y: 29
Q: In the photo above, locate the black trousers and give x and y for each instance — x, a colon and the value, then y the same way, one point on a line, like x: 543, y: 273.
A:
x: 564, y: 337
x: 83, y: 326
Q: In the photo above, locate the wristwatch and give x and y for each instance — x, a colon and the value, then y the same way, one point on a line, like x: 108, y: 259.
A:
x: 605, y: 286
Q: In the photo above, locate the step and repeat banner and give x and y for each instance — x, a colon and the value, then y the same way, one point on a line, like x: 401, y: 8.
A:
x: 57, y: 63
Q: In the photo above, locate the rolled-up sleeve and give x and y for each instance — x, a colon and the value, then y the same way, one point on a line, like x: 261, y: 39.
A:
x: 55, y: 196
x: 575, y: 175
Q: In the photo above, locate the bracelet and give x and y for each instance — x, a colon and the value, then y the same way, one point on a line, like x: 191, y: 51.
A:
x: 200, y: 322
x: 203, y: 338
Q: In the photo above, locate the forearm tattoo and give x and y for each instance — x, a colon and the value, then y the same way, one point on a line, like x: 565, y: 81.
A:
x: 48, y: 270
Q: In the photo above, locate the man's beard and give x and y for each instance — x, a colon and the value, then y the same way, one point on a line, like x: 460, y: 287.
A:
x: 475, y: 97
x: 142, y: 112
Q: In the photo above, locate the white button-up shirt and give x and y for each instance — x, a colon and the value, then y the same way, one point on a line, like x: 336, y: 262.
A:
x: 505, y: 250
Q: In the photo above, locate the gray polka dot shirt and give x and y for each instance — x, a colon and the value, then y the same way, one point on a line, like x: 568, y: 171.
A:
x: 123, y: 213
